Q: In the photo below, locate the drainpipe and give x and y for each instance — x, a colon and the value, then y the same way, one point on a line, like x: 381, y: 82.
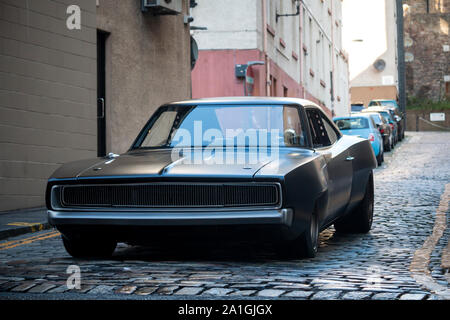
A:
x: 401, y: 60
x: 266, y: 58
x: 300, y: 52
x: 333, y: 74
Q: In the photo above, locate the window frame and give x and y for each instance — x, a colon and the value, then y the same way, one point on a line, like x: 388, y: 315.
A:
x: 324, y: 117
x: 154, y: 117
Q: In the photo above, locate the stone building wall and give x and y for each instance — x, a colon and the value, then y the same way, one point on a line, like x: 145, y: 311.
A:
x: 426, y: 27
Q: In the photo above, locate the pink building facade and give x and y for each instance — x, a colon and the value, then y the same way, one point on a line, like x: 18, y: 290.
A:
x: 297, y: 64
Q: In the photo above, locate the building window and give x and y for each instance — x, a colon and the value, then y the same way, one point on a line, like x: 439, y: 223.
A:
x: 285, y: 92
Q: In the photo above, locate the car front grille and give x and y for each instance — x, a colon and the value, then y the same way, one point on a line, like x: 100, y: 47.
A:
x: 171, y: 195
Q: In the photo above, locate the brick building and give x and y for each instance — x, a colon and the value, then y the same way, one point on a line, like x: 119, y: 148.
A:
x: 427, y: 48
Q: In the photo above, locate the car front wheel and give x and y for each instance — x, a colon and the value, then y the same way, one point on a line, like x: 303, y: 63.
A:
x: 360, y: 219
x: 89, y: 248
x: 305, y: 246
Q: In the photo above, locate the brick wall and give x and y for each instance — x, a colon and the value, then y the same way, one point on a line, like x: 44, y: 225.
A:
x: 426, y: 31
x: 47, y: 95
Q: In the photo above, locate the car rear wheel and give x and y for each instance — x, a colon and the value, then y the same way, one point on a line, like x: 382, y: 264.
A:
x: 305, y: 246
x: 387, y: 147
x: 380, y: 158
x: 89, y: 248
x: 360, y: 219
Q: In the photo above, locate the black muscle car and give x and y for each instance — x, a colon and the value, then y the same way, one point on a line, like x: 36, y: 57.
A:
x: 274, y: 169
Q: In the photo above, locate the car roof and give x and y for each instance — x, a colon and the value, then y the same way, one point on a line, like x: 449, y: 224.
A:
x: 375, y: 109
x: 372, y: 113
x: 354, y: 115
x: 245, y: 100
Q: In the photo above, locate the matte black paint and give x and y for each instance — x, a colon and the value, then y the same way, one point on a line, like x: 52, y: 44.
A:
x: 323, y: 179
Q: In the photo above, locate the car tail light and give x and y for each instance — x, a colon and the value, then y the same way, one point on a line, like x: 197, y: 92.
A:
x: 371, y: 137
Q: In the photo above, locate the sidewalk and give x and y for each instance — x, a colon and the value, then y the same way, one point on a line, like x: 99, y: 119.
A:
x: 17, y: 222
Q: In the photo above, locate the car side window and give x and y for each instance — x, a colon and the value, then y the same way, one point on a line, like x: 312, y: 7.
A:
x: 322, y: 132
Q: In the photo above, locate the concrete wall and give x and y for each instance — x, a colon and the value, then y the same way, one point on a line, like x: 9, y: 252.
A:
x: 47, y: 95
x: 148, y: 64
x: 48, y: 84
x: 369, y: 34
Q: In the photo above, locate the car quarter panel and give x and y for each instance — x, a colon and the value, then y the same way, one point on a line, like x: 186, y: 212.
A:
x: 363, y: 164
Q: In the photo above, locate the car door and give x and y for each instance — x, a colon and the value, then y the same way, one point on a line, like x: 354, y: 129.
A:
x: 330, y: 143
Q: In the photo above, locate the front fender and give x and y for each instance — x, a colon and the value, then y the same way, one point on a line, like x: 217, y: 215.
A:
x: 305, y: 188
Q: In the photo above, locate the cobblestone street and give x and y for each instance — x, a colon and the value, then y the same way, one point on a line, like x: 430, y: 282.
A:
x: 405, y: 256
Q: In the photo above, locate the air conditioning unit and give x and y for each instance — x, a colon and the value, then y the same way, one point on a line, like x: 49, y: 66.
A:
x: 163, y: 6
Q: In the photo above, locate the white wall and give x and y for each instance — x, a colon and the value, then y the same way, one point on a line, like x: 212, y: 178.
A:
x: 370, y: 33
x: 231, y: 24
x: 318, y: 36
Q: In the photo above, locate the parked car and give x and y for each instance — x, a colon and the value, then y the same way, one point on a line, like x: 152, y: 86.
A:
x: 386, y: 114
x: 383, y: 103
x: 384, y: 128
x: 396, y: 115
x: 357, y: 107
x: 362, y: 125
x: 173, y: 183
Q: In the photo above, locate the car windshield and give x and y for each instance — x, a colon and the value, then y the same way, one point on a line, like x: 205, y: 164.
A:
x: 352, y: 123
x: 387, y: 115
x: 376, y: 118
x: 383, y: 103
x: 357, y: 108
x: 223, y: 125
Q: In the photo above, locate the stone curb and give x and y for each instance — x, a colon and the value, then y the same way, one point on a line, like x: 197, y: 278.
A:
x: 17, y: 231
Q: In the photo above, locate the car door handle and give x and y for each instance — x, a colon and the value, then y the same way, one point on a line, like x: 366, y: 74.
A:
x: 349, y: 158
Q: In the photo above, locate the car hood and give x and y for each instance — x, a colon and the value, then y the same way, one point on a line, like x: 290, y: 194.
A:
x: 164, y: 163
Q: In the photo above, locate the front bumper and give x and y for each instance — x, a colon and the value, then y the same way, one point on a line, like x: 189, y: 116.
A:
x: 171, y: 218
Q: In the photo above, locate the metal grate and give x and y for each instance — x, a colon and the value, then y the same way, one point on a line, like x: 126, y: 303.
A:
x: 171, y: 195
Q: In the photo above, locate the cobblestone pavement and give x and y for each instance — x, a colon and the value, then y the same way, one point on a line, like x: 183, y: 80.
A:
x: 378, y: 265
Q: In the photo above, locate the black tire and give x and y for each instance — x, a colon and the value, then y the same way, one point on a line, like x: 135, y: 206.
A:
x: 305, y: 246
x: 360, y: 219
x: 388, y: 146
x: 380, y: 158
x: 84, y: 248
